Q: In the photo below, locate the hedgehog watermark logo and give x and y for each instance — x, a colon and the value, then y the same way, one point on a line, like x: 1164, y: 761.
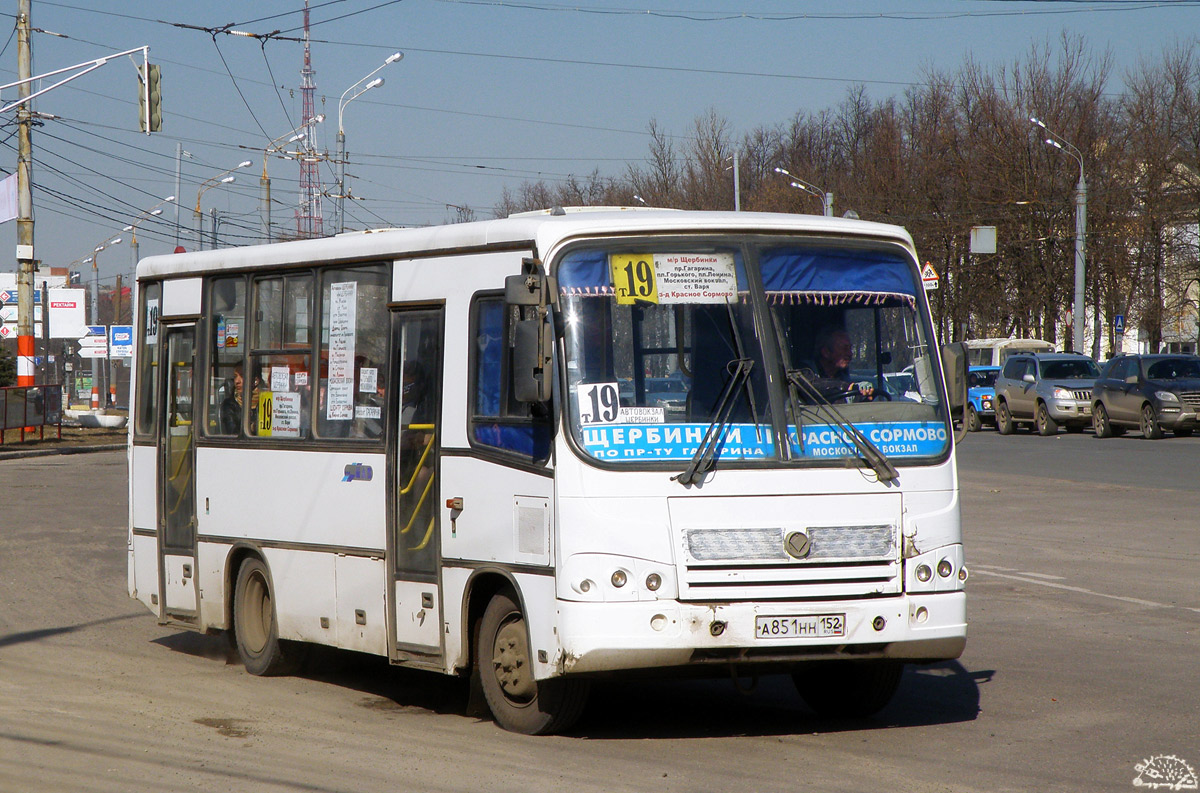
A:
x: 1165, y: 772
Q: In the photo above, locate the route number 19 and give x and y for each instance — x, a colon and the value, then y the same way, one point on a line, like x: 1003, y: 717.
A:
x: 633, y: 278
x: 599, y: 403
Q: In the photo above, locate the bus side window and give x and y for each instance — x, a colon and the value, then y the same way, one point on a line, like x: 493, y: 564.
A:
x: 498, y: 421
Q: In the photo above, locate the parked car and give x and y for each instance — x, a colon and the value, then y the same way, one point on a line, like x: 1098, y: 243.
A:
x: 669, y: 393
x: 1151, y: 392
x: 981, y: 397
x: 1045, y: 390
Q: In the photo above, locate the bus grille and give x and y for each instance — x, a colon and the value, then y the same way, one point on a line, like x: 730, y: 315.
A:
x: 752, y: 564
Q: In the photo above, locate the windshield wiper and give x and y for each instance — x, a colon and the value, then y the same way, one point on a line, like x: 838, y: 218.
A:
x: 871, y: 455
x: 702, y: 460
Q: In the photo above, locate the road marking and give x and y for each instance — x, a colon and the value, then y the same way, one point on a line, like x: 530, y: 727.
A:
x: 1042, y: 575
x: 1024, y: 577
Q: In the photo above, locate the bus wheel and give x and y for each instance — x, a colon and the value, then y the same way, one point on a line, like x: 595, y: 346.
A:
x: 519, y: 702
x: 254, y: 625
x: 848, y: 689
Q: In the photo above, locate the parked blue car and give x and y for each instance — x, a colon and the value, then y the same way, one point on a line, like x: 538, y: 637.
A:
x: 981, y: 397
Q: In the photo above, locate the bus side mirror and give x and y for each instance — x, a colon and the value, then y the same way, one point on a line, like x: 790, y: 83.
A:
x: 533, y: 342
x: 955, y: 368
x: 531, y: 288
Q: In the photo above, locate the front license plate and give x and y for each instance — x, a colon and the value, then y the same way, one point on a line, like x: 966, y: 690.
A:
x: 806, y: 627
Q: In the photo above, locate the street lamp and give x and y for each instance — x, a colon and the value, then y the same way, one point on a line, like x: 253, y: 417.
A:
x: 1077, y: 309
x: 341, y: 133
x: 222, y: 178
x: 95, y: 313
x: 296, y: 134
x: 152, y: 212
x: 812, y: 189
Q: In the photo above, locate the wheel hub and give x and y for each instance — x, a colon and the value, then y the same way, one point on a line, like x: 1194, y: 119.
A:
x: 510, y: 662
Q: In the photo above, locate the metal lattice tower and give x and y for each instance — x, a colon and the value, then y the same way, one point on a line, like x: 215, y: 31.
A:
x: 309, y: 222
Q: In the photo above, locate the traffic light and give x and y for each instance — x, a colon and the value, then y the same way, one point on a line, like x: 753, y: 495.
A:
x: 150, y: 85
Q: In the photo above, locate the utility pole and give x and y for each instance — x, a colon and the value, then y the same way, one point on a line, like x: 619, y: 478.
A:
x: 25, y: 260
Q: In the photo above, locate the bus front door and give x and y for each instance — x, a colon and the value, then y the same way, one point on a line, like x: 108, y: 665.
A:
x: 415, y: 606
x: 176, y: 479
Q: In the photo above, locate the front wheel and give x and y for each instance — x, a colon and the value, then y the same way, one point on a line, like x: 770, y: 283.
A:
x: 518, y: 701
x: 1100, y: 422
x: 973, y: 422
x: 848, y: 689
x: 1149, y: 421
x: 1045, y: 424
x: 255, y: 628
x: 1004, y: 422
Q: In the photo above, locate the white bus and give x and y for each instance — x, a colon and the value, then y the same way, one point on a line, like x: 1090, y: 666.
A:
x: 993, y: 352
x: 554, y: 446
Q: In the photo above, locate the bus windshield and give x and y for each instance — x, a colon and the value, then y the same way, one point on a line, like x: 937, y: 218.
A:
x: 770, y: 350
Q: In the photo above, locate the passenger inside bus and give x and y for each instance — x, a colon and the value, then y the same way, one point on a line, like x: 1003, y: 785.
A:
x: 231, y: 407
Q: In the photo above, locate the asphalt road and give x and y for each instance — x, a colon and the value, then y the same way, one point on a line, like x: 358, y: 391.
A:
x: 1081, y: 664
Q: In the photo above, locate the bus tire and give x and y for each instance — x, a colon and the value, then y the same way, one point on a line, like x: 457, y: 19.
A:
x: 848, y: 689
x: 518, y: 701
x: 255, y: 628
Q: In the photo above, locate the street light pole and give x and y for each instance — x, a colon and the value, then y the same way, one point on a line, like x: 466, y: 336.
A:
x: 1078, y: 307
x: 341, y: 132
x: 95, y: 314
x: 221, y: 178
x: 265, y: 182
x: 811, y: 189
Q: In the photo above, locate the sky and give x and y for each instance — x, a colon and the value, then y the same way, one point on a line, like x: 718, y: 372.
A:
x: 488, y: 94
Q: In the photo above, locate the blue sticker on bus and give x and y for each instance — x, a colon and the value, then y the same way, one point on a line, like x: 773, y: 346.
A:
x: 748, y: 442
x: 357, y: 472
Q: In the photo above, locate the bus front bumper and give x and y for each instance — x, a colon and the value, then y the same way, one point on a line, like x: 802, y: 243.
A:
x: 604, y: 637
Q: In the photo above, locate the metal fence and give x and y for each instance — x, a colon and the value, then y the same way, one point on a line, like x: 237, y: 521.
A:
x: 29, y: 407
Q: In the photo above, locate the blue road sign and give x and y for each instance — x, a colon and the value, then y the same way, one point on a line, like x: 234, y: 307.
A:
x: 1119, y: 323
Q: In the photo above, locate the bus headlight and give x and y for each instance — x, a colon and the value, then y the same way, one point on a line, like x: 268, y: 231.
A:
x: 945, y: 568
x: 653, y: 582
x: 924, y: 573
x: 619, y: 579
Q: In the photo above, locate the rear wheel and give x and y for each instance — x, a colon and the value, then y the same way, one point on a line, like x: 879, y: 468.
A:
x: 518, y: 701
x: 973, y: 422
x: 1004, y: 422
x: 255, y: 627
x: 1149, y: 423
x: 848, y: 689
x: 1100, y: 422
x: 1045, y: 424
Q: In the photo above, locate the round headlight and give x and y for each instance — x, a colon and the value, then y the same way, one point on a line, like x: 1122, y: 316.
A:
x: 653, y: 582
x: 619, y: 579
x: 945, y: 568
x: 924, y: 573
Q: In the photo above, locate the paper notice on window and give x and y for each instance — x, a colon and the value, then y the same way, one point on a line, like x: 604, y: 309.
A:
x: 368, y: 378
x: 695, y: 277
x: 280, y: 378
x: 285, y: 414
x: 339, y: 401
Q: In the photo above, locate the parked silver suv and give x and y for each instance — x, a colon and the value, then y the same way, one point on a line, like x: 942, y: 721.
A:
x: 1045, y: 390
